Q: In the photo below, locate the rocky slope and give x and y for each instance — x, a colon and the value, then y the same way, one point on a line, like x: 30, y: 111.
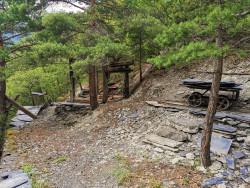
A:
x: 137, y: 144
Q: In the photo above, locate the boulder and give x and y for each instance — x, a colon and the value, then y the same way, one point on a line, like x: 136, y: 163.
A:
x: 185, y: 125
x: 173, y: 134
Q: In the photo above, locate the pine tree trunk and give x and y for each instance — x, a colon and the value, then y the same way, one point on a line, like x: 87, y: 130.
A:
x: 212, y: 106
x: 72, y: 81
x: 92, y: 87
x: 92, y: 71
x: 3, y: 109
x: 140, y: 58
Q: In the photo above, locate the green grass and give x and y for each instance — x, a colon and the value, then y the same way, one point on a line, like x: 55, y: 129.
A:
x: 61, y: 159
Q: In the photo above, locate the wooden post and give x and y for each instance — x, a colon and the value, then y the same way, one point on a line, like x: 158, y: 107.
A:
x: 105, y: 84
x: 126, y: 84
x: 21, y: 108
x: 72, y: 81
x: 97, y: 81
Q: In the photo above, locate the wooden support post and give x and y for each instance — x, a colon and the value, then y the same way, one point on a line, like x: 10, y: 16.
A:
x: 21, y: 108
x: 237, y: 95
x: 72, y: 81
x: 97, y: 81
x: 126, y: 84
x: 105, y: 84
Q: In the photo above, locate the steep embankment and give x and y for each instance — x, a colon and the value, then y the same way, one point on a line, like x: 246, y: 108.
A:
x: 163, y: 86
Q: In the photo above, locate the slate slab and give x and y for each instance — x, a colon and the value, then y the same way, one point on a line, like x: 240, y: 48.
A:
x: 230, y: 162
x: 238, y: 155
x: 163, y: 141
x: 213, y: 181
x: 219, y: 145
x: 11, y: 174
x: 224, y: 128
x: 136, y: 114
x: 185, y: 125
x: 25, y: 118
x: 224, y: 173
x: 219, y: 115
x: 17, y: 123
x: 173, y: 134
x: 243, y: 171
x: 34, y: 109
x: 14, y: 182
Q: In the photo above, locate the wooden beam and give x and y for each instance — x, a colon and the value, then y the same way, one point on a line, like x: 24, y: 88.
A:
x: 10, y: 106
x: 119, y: 69
x: 20, y: 107
x: 119, y: 64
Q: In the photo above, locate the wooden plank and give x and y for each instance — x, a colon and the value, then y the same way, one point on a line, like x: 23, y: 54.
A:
x: 21, y: 108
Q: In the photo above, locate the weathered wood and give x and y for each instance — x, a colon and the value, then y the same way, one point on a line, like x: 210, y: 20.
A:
x: 120, y: 64
x: 10, y: 106
x: 21, y: 108
x: 126, y: 85
x: 105, y: 84
x: 119, y: 69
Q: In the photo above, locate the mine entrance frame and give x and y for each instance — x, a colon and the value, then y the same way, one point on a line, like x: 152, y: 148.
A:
x: 116, y: 67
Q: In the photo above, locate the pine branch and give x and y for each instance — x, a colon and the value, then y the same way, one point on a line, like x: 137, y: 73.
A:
x: 14, y: 36
x: 242, y: 14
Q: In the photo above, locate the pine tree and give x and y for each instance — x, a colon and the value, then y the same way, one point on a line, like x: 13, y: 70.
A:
x: 17, y: 18
x: 198, y: 29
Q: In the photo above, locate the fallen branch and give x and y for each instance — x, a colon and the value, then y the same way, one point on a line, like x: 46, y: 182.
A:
x: 20, y: 107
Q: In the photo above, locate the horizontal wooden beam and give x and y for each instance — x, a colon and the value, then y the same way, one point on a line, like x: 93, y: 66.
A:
x: 119, y: 64
x: 20, y: 107
x: 118, y: 69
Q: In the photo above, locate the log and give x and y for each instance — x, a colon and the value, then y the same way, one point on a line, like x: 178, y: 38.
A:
x: 10, y: 106
x: 20, y: 107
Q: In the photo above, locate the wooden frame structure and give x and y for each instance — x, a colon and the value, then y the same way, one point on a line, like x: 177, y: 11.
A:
x: 116, y: 67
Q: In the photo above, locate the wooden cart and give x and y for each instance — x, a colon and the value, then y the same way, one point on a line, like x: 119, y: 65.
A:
x: 197, y: 99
